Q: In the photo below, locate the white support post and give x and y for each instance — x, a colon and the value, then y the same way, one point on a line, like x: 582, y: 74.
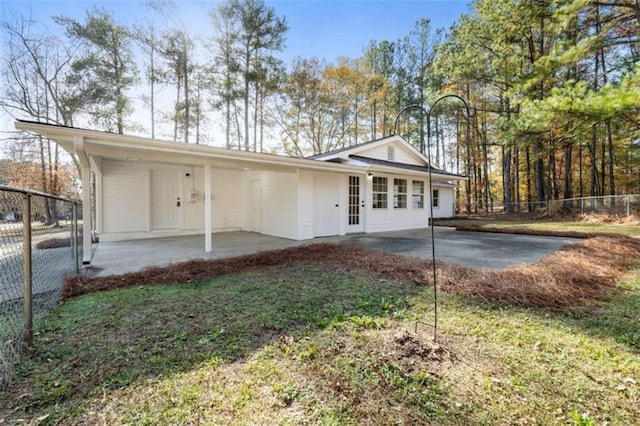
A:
x: 207, y: 208
x: 86, y: 214
x: 83, y: 159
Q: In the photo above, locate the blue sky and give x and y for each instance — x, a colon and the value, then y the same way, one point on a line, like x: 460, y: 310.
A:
x: 323, y: 28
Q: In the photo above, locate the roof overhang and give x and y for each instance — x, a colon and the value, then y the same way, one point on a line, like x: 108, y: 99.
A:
x: 405, y: 169
x: 134, y: 148
x: 400, y: 171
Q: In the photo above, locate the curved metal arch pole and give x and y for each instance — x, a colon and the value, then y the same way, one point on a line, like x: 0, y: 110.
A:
x: 427, y: 113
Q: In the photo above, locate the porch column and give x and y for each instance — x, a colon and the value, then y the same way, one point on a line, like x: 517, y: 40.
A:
x: 86, y: 214
x: 78, y: 143
x: 207, y: 208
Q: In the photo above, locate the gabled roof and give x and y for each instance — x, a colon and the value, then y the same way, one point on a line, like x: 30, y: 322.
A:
x: 375, y: 161
x: 345, y: 152
x: 346, y: 148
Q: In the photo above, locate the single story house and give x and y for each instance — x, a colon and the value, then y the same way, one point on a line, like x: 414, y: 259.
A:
x: 152, y: 188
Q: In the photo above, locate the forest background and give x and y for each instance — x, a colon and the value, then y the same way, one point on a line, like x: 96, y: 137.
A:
x: 553, y: 86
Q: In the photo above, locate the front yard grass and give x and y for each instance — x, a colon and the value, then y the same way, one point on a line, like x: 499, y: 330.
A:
x: 312, y: 343
x: 573, y: 226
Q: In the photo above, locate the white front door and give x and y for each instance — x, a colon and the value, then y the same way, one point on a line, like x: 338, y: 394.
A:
x: 166, y: 199
x: 326, y: 220
x: 255, y: 206
x: 355, y: 222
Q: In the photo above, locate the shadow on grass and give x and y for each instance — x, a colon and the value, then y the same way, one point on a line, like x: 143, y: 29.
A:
x: 110, y: 340
x: 617, y: 318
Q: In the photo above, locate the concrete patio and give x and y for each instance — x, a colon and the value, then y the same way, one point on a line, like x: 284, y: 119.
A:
x: 479, y: 249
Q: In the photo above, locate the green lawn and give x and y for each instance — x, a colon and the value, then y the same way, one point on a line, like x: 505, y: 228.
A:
x: 548, y: 225
x: 315, y: 344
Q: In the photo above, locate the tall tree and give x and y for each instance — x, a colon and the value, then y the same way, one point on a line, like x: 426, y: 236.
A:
x: 306, y: 111
x: 149, y: 41
x: 177, y: 51
x: 36, y: 70
x: 261, y: 33
x: 226, y: 64
x: 106, y: 67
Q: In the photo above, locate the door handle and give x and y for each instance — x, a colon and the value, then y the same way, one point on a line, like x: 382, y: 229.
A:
x: 337, y: 205
x: 178, y: 203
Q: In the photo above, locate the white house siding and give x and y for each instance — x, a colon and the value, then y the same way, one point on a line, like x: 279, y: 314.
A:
x: 391, y: 219
x: 445, y: 202
x: 279, y: 202
x: 328, y: 208
x: 343, y: 196
x: 305, y: 205
x: 226, y: 190
x: 125, y: 191
x: 126, y: 200
x: 401, y: 155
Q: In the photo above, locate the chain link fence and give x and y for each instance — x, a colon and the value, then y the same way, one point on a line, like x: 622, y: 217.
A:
x: 619, y: 205
x: 39, y: 246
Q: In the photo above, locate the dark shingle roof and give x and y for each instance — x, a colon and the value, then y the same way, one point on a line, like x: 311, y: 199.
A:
x: 403, y: 166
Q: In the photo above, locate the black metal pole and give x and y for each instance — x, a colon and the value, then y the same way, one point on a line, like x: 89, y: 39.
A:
x: 427, y: 113
x: 433, y: 236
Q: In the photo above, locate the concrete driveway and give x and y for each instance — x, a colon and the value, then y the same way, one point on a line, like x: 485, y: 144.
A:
x: 480, y: 249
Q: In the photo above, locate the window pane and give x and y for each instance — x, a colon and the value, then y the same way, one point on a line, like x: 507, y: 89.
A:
x: 436, y: 196
x: 418, y: 194
x: 379, y: 192
x: 399, y: 193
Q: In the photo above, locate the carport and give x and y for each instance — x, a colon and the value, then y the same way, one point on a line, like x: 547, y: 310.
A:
x: 478, y: 249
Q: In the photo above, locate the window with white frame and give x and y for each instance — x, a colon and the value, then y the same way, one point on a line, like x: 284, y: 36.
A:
x: 436, y: 197
x: 399, y: 193
x: 418, y: 194
x: 380, y: 191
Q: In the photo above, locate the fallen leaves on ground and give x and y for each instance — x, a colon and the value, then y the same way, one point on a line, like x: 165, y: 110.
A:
x: 567, y: 278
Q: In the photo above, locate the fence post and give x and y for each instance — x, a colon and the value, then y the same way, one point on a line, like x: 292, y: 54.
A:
x: 581, y: 205
x: 628, y: 205
x: 74, y: 236
x: 26, y: 270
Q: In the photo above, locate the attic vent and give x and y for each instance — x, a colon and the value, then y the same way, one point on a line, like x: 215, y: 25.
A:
x: 391, y: 153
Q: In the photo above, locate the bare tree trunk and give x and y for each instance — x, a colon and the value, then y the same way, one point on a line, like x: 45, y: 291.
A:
x: 516, y: 173
x: 612, y: 184
x: 528, y: 176
x: 592, y: 155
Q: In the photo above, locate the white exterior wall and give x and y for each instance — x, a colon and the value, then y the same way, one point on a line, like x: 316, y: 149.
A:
x: 125, y: 191
x: 343, y: 209
x: 279, y: 203
x: 446, y: 202
x: 126, y: 200
x: 226, y: 190
x: 391, y: 219
x: 286, y: 203
x: 401, y: 155
x: 305, y: 205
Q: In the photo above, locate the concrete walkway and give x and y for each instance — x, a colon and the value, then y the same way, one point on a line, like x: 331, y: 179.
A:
x: 480, y: 249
